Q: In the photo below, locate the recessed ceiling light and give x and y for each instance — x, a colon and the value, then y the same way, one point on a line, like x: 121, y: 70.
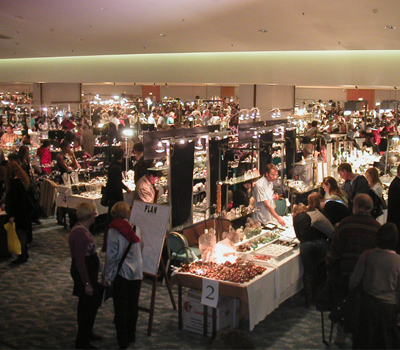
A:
x: 262, y: 30
x: 162, y: 34
x: 390, y: 27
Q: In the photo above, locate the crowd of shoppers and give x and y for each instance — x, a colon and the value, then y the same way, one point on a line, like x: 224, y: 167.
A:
x: 336, y: 228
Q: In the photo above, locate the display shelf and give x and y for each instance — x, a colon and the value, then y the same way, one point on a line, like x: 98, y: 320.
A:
x: 199, y: 210
x: 158, y: 169
x: 199, y: 192
x: 237, y: 180
x: 242, y: 215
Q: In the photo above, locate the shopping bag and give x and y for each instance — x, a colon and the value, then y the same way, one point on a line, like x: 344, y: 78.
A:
x: 14, y: 246
x: 108, y: 292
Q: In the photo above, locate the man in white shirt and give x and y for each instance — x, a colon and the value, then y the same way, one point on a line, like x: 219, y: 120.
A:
x: 263, y: 193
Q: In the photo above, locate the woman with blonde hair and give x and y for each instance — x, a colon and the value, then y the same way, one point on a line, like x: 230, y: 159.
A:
x: 123, y: 268
x: 18, y: 208
x: 374, y: 182
x: 84, y: 271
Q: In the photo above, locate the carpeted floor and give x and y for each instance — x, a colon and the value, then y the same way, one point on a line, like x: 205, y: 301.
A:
x: 38, y: 311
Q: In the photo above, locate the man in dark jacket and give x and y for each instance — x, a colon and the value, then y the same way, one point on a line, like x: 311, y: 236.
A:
x: 115, y: 185
x: 355, y: 234
x: 394, y: 202
x: 354, y: 183
x: 141, y: 165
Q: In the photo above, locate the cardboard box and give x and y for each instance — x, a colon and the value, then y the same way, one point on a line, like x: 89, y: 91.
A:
x: 193, y: 311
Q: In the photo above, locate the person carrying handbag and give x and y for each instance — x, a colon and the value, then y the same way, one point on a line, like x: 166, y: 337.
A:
x: 120, y: 239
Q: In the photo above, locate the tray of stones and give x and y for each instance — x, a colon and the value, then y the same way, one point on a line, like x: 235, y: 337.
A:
x: 276, y: 251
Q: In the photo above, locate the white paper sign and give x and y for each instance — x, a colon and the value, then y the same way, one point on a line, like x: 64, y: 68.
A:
x: 210, y: 292
x: 152, y: 220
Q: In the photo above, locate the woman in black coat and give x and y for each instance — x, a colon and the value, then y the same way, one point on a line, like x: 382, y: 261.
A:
x: 312, y: 229
x: 18, y: 207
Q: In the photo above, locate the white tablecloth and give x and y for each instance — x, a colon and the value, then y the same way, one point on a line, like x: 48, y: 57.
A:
x: 265, y: 294
x: 66, y: 199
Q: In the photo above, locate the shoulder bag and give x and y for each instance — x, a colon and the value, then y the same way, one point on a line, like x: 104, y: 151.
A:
x: 104, y: 197
x: 347, y: 311
x: 108, y: 290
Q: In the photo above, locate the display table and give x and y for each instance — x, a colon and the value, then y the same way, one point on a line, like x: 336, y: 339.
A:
x: 66, y: 199
x: 260, y: 296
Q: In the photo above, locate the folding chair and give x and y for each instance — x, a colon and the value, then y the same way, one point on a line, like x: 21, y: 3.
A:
x: 179, y: 250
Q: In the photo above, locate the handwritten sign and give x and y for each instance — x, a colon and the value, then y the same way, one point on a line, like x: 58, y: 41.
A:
x: 210, y: 292
x: 152, y: 220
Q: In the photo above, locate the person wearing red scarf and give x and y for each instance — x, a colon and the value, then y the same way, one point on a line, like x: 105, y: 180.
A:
x: 127, y: 282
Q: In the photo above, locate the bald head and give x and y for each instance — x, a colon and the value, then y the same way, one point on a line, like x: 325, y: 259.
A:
x: 362, y: 203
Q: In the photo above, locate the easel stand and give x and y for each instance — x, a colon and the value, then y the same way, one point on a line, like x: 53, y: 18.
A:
x: 152, y: 220
x: 150, y: 310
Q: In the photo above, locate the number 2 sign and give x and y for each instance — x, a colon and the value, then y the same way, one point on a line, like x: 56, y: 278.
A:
x: 210, y: 292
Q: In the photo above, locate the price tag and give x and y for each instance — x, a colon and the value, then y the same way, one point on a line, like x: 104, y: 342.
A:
x: 210, y: 293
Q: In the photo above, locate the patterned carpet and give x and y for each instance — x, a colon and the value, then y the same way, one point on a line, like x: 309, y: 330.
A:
x: 38, y: 311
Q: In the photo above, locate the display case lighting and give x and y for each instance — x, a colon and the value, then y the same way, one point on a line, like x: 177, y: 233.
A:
x: 198, y: 145
x: 160, y: 148
x: 128, y: 132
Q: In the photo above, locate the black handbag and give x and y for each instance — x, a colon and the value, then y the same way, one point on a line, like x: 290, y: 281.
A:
x: 104, y: 197
x: 108, y: 290
x: 347, y: 311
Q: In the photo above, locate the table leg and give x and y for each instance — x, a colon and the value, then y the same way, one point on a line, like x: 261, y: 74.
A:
x: 180, y: 319
x: 214, y: 322
x: 205, y: 315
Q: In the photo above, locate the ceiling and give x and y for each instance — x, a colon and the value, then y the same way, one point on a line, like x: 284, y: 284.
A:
x: 56, y: 28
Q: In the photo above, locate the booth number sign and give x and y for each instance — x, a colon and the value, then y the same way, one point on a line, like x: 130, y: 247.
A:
x: 210, y: 293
